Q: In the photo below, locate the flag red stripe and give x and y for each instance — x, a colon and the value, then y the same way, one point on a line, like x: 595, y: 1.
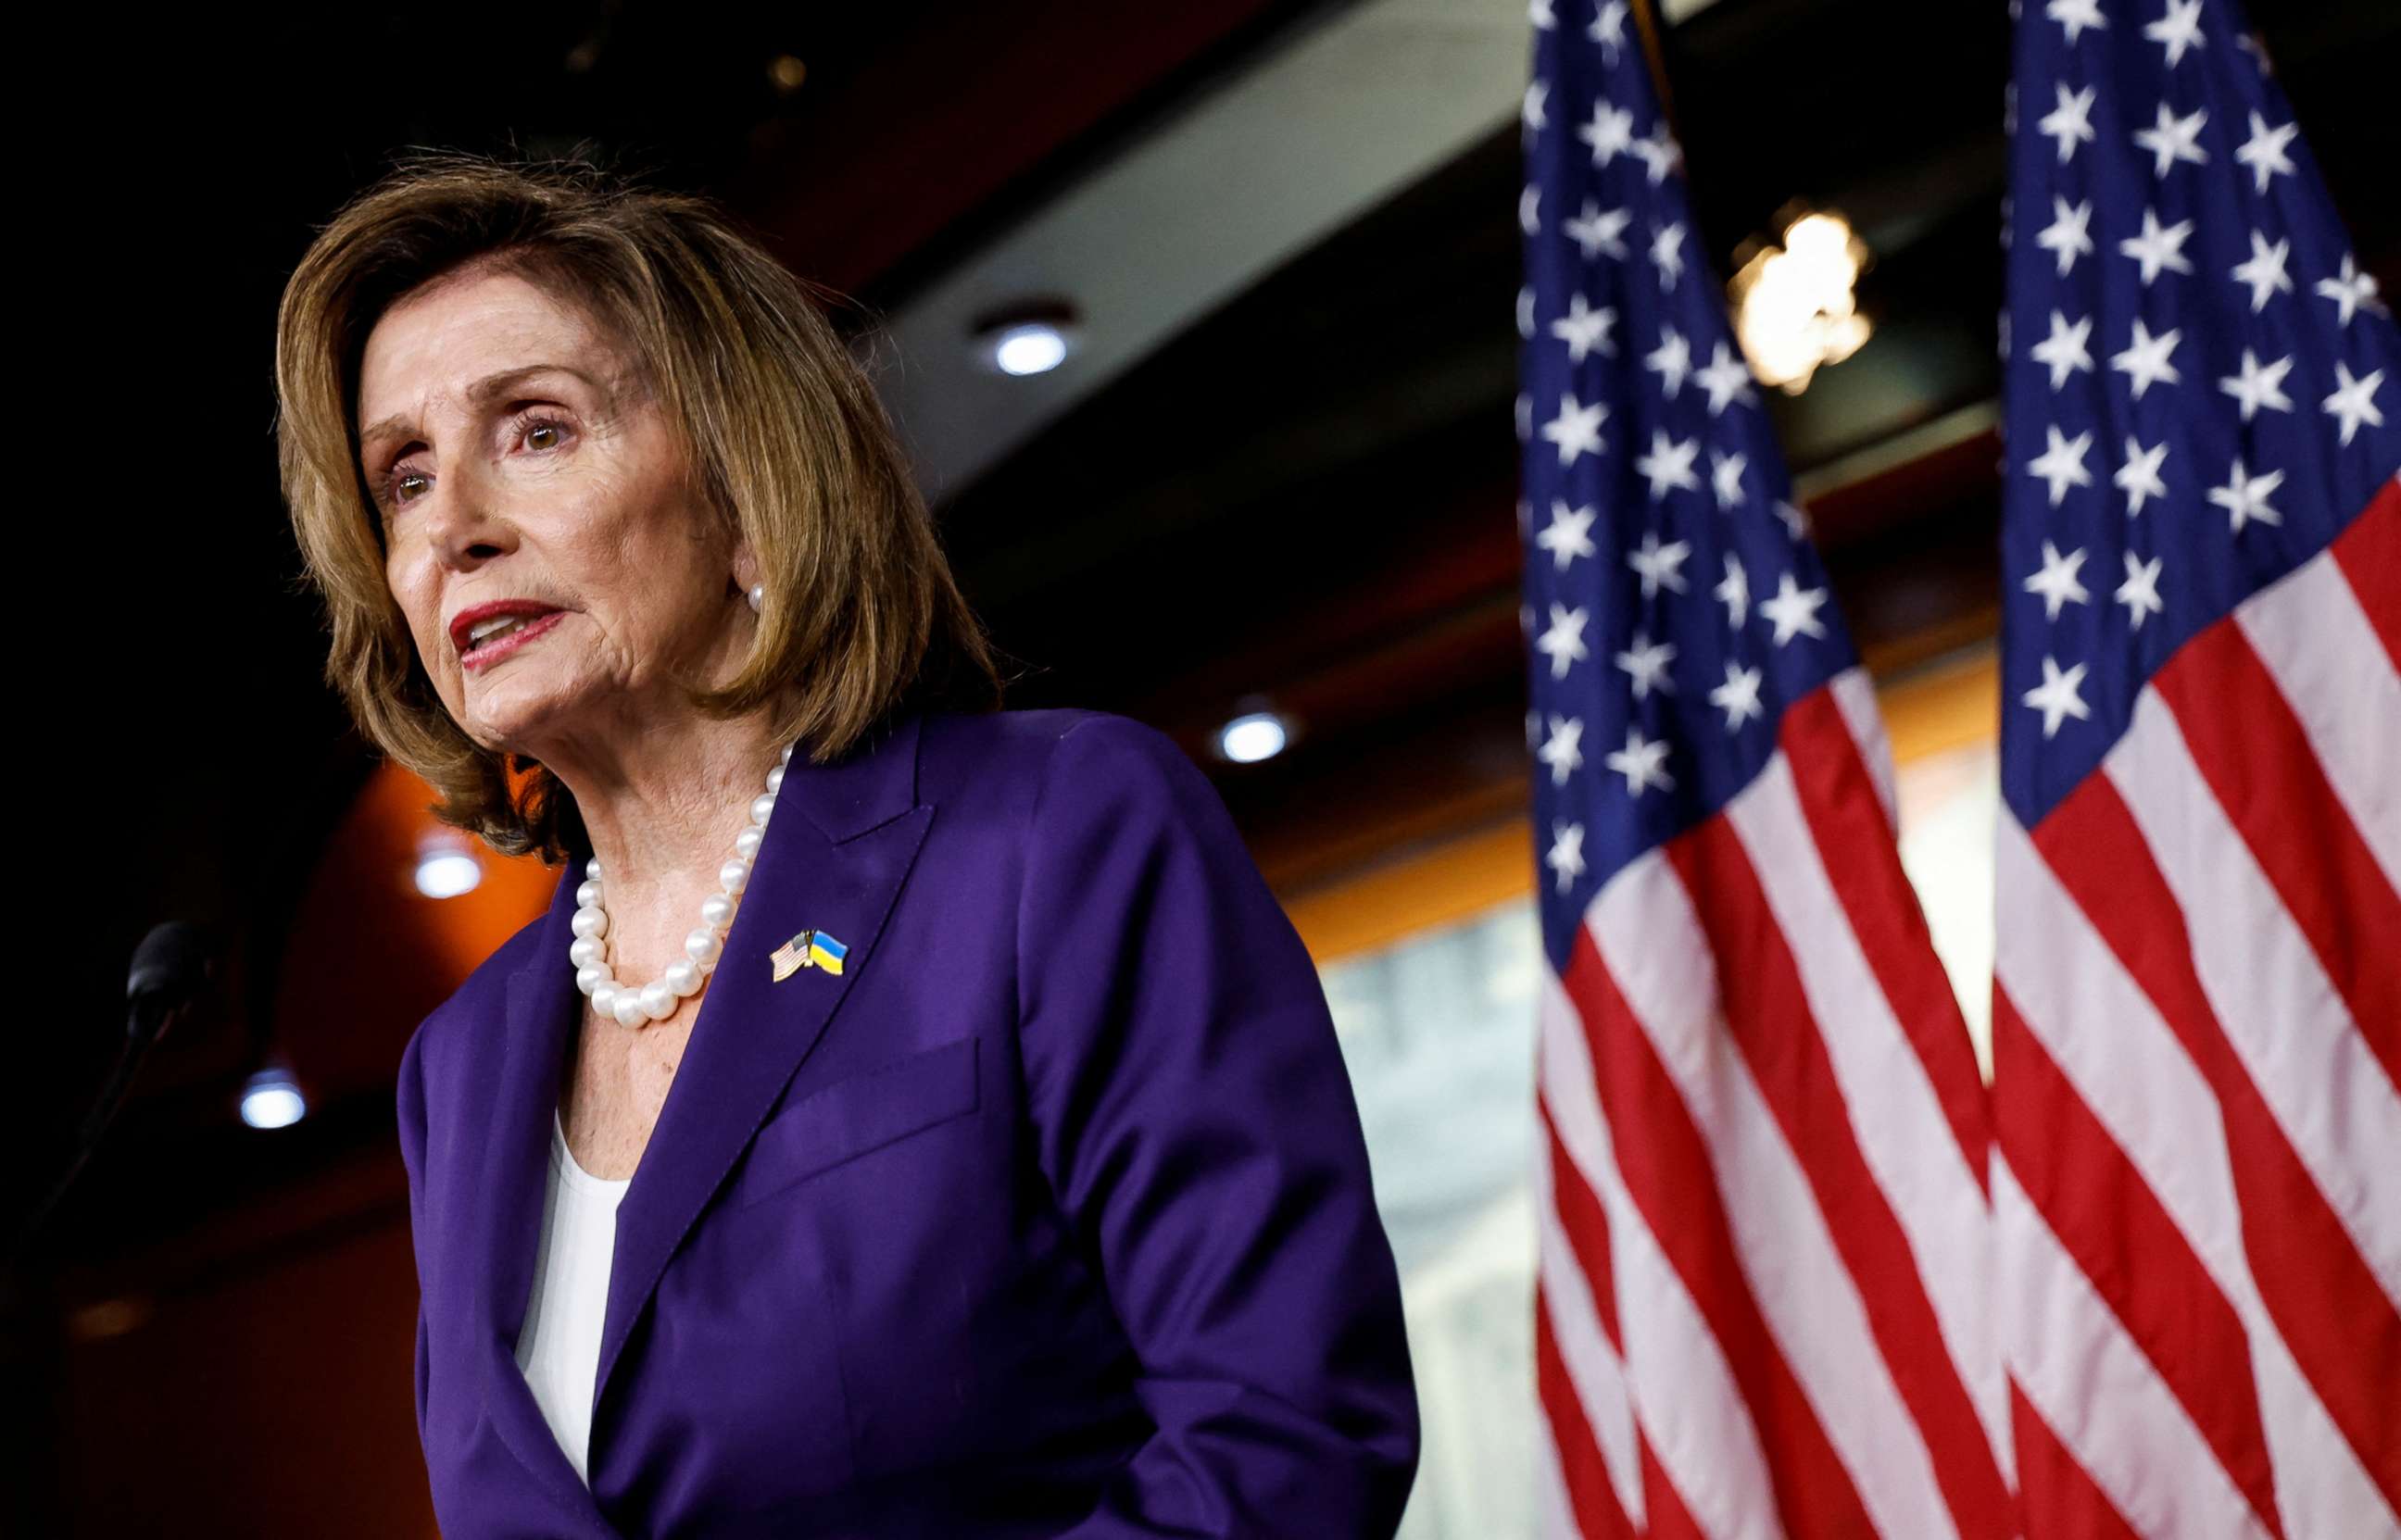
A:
x: 2057, y: 1498
x: 1770, y: 1021
x: 2252, y: 751
x: 1666, y: 1167
x: 1586, y: 1222
x: 1599, y: 1515
x: 1838, y: 799
x: 2342, y: 1330
x: 2136, y: 1258
x: 2370, y: 554
x: 1663, y: 1505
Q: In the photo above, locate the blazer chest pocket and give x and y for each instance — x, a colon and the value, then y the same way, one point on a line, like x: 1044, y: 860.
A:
x: 853, y: 1116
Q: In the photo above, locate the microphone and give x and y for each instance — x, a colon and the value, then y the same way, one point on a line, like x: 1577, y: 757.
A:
x: 170, y: 967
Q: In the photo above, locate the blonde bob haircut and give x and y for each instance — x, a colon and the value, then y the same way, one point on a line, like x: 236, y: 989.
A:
x: 790, y: 445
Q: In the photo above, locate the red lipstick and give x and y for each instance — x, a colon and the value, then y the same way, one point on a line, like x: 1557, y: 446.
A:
x: 487, y: 633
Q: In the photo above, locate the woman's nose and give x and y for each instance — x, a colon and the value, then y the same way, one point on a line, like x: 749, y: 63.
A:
x: 466, y: 527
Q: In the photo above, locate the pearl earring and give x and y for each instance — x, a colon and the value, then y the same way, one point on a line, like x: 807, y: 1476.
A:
x: 757, y: 598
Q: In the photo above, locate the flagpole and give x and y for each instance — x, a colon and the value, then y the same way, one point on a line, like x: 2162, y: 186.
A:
x: 1646, y: 23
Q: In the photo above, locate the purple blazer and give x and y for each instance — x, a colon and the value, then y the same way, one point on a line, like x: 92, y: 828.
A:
x: 1048, y: 1215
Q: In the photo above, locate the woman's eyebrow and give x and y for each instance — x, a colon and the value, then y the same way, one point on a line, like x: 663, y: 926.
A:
x: 479, y: 394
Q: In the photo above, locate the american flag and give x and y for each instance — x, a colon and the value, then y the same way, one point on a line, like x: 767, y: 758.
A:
x: 1762, y: 1300
x: 2197, y: 1032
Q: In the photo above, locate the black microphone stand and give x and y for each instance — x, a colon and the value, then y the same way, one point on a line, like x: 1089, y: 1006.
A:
x: 168, y: 968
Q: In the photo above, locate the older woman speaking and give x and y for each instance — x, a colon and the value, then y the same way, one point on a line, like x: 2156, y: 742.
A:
x: 913, y: 1117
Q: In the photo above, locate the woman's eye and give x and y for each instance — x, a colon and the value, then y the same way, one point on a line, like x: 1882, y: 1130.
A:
x: 540, y: 433
x: 397, y: 488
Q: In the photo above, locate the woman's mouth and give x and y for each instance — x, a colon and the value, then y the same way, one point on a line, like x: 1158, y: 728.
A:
x: 490, y: 641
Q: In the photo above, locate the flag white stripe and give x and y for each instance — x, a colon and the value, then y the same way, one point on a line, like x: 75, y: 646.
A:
x: 1685, y: 1398
x: 2128, y: 1066
x: 2279, y: 1011
x: 2102, y: 1032
x: 1593, y: 1366
x: 1894, y: 1113
x: 1853, y: 695
x: 1554, y: 1514
x: 1655, y: 948
x: 2317, y: 645
x: 2099, y: 1393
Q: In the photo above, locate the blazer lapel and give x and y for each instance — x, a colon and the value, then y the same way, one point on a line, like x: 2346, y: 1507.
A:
x: 837, y: 850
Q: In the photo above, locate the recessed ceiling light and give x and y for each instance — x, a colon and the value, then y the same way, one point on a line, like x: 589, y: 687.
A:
x: 1253, y: 736
x: 1027, y: 339
x: 272, y: 1099
x: 1033, y: 347
x: 446, y: 871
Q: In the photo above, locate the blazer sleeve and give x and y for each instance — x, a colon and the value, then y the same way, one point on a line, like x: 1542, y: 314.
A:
x: 410, y: 1108
x: 1196, y: 1121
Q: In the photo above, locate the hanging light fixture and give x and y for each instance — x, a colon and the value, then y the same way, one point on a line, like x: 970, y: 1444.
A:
x: 1795, y: 310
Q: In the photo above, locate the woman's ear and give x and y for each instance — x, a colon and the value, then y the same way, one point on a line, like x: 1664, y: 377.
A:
x: 745, y: 567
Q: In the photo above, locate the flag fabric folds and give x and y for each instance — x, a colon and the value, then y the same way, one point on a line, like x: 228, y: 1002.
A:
x: 1761, y: 1306
x: 2197, y: 1032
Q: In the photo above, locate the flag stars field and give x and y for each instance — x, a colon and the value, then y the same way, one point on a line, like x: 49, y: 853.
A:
x: 1576, y: 429
x: 1660, y: 566
x: 2354, y: 400
x: 2064, y: 351
x: 1563, y: 752
x: 2061, y: 463
x: 1645, y: 663
x: 2159, y: 248
x: 1643, y: 763
x: 2068, y: 233
x: 2140, y: 592
x: 1568, y: 535
x: 2264, y: 151
x: 2265, y: 272
x: 1793, y: 611
x: 2138, y: 474
x: 2244, y: 497
x: 2059, y: 696
x: 2057, y: 582
x: 1562, y: 642
x: 2179, y: 30
x: 2352, y: 291
x: 2173, y: 139
x: 2071, y: 121
x: 2145, y: 361
x: 2258, y: 384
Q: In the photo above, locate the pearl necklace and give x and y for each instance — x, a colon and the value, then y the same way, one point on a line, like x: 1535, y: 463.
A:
x: 659, y: 999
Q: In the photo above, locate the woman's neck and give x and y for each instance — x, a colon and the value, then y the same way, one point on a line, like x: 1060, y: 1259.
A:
x: 662, y: 808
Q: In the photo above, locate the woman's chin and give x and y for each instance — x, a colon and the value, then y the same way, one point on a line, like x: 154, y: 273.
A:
x: 522, y: 714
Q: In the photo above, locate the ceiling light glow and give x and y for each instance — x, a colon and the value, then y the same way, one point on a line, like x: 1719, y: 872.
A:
x: 272, y: 1099
x: 1253, y: 737
x: 446, y: 871
x: 1794, y: 308
x: 1029, y: 347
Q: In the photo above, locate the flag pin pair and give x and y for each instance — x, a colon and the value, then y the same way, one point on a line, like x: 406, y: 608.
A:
x: 809, y: 949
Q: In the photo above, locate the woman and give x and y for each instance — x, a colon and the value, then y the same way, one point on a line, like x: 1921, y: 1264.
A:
x: 944, y: 1131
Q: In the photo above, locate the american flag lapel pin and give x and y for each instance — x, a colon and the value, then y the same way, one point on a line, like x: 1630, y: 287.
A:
x: 792, y: 956
x: 809, y: 949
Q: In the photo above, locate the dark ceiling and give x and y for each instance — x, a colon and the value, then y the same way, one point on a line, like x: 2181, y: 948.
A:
x: 1308, y: 494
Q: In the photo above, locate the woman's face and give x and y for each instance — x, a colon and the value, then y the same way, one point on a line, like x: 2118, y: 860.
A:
x: 541, y: 533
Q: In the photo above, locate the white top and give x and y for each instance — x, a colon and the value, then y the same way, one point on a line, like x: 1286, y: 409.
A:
x: 559, y: 1347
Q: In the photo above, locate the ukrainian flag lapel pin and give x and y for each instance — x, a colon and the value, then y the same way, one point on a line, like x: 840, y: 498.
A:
x: 809, y: 949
